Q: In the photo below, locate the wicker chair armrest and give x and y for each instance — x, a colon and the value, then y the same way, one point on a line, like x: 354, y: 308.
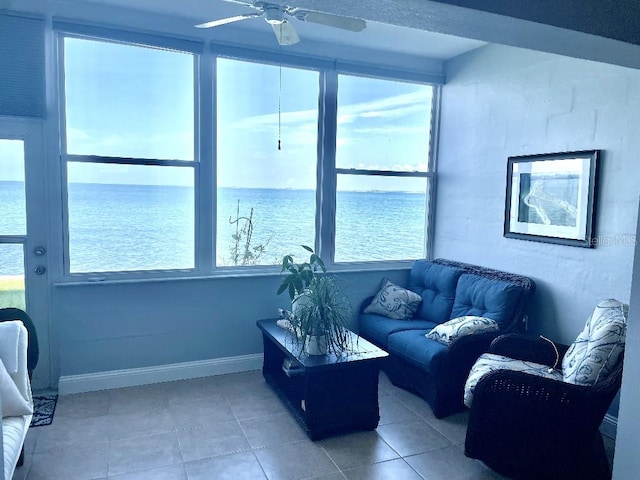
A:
x: 525, y: 398
x: 365, y: 303
x: 530, y: 349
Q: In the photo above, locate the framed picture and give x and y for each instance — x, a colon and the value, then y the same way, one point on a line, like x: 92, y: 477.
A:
x: 552, y: 198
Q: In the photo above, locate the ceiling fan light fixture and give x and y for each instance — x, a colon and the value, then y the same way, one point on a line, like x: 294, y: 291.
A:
x: 274, y: 15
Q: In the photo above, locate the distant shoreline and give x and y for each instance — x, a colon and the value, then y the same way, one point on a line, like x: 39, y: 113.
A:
x: 9, y: 278
x: 221, y: 188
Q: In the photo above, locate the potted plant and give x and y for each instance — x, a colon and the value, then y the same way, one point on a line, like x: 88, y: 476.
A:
x: 299, y: 276
x: 321, y: 310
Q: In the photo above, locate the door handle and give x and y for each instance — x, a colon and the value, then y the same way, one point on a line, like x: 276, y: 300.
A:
x: 40, y: 270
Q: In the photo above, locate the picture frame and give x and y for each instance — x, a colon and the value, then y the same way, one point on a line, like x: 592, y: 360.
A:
x: 551, y: 198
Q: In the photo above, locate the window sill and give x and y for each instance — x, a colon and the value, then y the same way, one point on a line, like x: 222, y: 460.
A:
x: 222, y: 273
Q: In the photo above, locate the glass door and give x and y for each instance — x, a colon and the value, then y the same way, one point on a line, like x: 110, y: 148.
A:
x: 13, y: 223
x: 23, y: 230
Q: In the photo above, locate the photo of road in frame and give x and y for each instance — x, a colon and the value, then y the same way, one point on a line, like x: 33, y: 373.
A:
x: 551, y: 198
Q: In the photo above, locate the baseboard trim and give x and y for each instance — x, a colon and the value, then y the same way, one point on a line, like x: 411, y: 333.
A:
x: 609, y: 426
x: 91, y: 382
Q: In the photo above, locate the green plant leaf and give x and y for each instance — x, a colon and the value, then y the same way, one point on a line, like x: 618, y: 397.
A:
x: 283, y: 286
x: 286, y: 261
x: 316, y: 259
x: 308, y: 249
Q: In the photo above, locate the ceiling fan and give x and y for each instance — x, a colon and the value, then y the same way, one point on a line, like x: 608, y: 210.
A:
x: 276, y: 16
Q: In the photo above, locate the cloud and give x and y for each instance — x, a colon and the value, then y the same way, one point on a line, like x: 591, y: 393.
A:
x: 392, y: 107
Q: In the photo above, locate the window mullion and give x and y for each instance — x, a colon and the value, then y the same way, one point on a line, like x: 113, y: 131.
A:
x: 326, y: 191
x: 205, y: 155
x: 128, y: 160
x: 432, y: 180
x: 381, y: 173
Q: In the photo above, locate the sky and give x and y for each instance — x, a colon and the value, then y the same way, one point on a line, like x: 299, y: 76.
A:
x: 138, y: 102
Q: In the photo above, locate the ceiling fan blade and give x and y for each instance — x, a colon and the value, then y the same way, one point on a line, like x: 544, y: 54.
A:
x: 337, y: 21
x: 285, y: 33
x: 248, y: 3
x: 224, y: 21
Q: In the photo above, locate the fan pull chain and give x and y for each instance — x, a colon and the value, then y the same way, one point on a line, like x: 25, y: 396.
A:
x: 279, y: 108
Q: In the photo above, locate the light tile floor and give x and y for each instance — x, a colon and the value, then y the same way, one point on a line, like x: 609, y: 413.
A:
x: 235, y: 427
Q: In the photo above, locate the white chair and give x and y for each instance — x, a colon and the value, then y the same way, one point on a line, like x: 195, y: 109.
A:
x: 15, y: 393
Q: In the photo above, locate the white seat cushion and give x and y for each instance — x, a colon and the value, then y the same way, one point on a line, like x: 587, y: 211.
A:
x: 489, y: 362
x: 597, y: 349
x: 14, y: 431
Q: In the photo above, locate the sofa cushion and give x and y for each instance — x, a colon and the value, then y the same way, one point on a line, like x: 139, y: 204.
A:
x: 377, y: 328
x: 597, y: 349
x: 13, y: 403
x: 394, y: 302
x: 490, y: 362
x: 436, y: 284
x: 450, y: 331
x: 412, y: 346
x: 484, y: 297
x: 9, y: 338
x: 14, y: 431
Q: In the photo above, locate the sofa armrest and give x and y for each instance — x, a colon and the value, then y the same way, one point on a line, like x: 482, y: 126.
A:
x: 476, y: 342
x: 463, y: 352
x: 2, y: 466
x: 530, y: 349
x: 13, y: 352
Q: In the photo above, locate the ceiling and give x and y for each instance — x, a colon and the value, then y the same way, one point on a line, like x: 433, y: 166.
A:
x: 418, y: 35
x: 377, y: 36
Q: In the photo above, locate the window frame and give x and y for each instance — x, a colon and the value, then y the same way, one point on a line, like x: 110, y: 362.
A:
x: 204, y: 161
x: 66, y: 158
x: 429, y: 175
x: 242, y: 55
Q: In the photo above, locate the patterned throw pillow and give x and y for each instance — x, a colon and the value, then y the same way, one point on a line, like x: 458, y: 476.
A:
x: 394, y: 302
x: 448, y: 332
x: 597, y: 349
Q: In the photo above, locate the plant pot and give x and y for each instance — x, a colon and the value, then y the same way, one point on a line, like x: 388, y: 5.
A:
x: 299, y: 302
x: 316, y: 345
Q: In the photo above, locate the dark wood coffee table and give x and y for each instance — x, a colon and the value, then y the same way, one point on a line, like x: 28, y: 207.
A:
x: 327, y: 394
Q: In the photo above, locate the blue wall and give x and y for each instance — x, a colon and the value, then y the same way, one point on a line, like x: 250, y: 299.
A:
x: 104, y: 327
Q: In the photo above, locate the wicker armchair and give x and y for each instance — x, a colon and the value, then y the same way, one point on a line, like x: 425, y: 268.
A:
x: 529, y: 427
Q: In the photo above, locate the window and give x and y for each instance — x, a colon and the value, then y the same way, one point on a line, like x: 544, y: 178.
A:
x: 175, y: 159
x: 383, y: 169
x: 267, y: 124
x: 129, y: 154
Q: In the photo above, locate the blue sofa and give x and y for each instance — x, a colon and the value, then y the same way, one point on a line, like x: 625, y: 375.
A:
x: 449, y: 290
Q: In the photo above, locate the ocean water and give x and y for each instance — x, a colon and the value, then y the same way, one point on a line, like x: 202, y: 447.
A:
x: 142, y: 227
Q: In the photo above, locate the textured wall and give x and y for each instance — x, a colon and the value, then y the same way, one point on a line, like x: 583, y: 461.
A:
x: 503, y: 101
